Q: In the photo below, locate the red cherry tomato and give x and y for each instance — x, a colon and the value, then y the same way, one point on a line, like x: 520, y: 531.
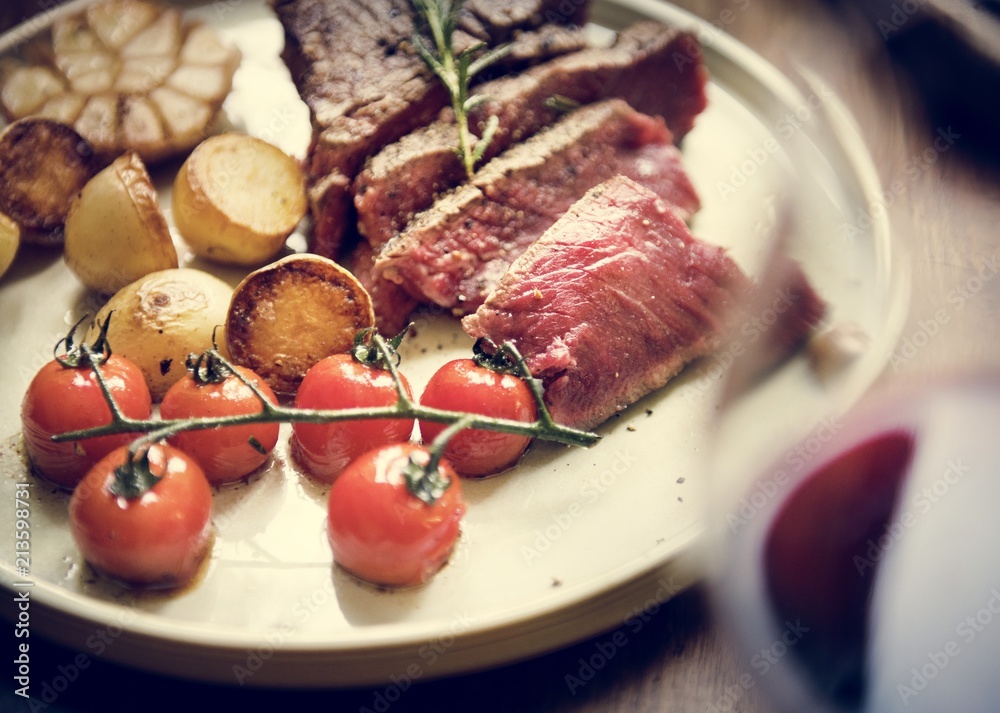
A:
x: 462, y: 385
x: 337, y: 382
x: 225, y: 453
x: 157, y: 539
x: 62, y: 399
x: 382, y: 533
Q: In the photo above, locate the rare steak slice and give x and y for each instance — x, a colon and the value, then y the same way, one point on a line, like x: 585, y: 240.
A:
x: 611, y: 302
x: 393, y: 305
x: 355, y: 67
x: 454, y: 253
x: 657, y: 69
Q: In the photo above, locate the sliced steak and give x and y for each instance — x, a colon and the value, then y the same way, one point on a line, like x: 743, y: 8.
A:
x: 532, y: 47
x: 656, y: 69
x: 454, y: 253
x: 496, y: 22
x: 393, y: 305
x: 611, y: 302
x: 356, y: 69
x: 404, y: 178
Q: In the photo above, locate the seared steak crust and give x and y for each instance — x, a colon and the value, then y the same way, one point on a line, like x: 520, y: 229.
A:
x: 642, y: 51
x: 393, y: 305
x: 405, y: 176
x: 611, y: 302
x: 497, y: 22
x: 365, y: 85
x: 454, y: 253
x: 356, y: 70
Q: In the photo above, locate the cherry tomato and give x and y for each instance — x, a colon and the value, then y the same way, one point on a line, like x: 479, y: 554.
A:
x: 382, y: 533
x: 340, y: 381
x: 463, y: 385
x: 224, y: 453
x: 156, y: 539
x: 68, y: 398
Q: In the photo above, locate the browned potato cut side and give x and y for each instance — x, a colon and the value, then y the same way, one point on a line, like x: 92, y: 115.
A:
x: 10, y: 240
x: 286, y: 316
x: 237, y: 198
x: 43, y: 165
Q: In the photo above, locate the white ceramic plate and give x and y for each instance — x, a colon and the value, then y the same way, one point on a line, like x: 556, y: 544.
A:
x: 573, y: 542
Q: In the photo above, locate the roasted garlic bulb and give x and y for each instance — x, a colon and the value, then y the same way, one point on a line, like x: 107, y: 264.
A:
x: 127, y: 75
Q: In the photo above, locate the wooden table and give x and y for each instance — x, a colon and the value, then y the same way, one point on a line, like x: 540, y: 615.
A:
x: 945, y: 215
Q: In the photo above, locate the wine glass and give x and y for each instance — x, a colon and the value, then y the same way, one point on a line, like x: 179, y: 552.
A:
x: 855, y: 558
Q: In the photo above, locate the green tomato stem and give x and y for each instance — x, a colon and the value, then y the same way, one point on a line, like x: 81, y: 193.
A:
x: 424, y: 481
x: 543, y: 428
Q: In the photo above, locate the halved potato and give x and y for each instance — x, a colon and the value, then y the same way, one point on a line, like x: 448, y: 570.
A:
x: 115, y: 232
x: 43, y: 165
x: 287, y: 316
x: 163, y: 317
x: 10, y: 240
x: 237, y: 198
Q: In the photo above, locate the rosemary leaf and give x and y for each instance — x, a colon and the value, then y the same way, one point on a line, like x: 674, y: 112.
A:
x: 456, y: 71
x: 487, y: 138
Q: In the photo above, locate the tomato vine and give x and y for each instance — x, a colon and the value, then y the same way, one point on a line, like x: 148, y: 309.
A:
x: 155, y: 430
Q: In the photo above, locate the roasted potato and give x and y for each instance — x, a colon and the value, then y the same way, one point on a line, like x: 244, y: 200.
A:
x: 162, y: 318
x: 10, y: 240
x: 128, y: 75
x: 115, y: 232
x: 43, y: 165
x: 237, y: 198
x: 287, y: 316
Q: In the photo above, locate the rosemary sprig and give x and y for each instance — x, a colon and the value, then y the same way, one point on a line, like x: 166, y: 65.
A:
x: 456, y: 72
